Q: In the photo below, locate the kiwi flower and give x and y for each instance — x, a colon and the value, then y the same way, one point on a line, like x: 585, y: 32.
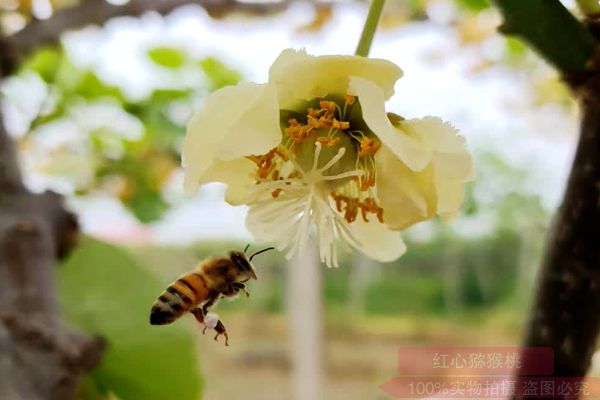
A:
x: 313, y: 149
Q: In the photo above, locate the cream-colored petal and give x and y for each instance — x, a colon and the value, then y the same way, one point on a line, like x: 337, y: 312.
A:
x: 257, y: 130
x: 450, y: 194
x: 406, y: 196
x: 450, y: 154
x: 237, y: 174
x: 410, y: 150
x: 232, y: 122
x: 299, y: 76
x: 377, y: 241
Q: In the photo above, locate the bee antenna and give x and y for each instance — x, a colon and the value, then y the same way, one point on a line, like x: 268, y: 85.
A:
x: 262, y: 251
x: 246, y: 248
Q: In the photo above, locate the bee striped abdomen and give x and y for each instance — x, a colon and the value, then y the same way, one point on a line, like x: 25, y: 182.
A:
x: 180, y: 297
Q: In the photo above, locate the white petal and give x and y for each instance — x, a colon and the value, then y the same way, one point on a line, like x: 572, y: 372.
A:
x: 451, y: 156
x: 410, y: 150
x: 236, y: 174
x: 450, y: 193
x: 299, y: 76
x: 406, y: 196
x: 232, y: 122
x: 377, y: 241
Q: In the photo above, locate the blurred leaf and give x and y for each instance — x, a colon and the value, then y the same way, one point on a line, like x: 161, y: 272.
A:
x: 147, y: 205
x: 105, y: 291
x: 145, y: 170
x: 45, y: 62
x: 91, y: 87
x: 473, y: 5
x: 219, y: 74
x: 167, y: 57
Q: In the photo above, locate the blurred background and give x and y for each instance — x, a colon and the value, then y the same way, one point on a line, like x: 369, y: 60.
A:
x: 101, y: 117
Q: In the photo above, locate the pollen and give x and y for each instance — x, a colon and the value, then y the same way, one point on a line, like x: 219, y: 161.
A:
x: 299, y: 133
x: 265, y: 162
x: 329, y: 107
x: 341, y: 125
x: 368, y: 147
x: 328, y: 141
x: 349, y: 99
x: 350, y: 206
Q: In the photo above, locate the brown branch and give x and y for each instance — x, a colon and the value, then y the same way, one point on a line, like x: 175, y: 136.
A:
x: 42, y: 32
x: 566, y: 313
x: 10, y: 176
x: 40, y: 359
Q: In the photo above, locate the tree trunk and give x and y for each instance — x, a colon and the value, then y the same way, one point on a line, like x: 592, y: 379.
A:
x: 566, y: 313
x: 39, y: 357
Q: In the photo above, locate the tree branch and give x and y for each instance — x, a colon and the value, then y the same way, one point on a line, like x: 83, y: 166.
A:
x: 566, y: 313
x: 551, y: 30
x: 88, y: 12
x: 40, y: 359
x: 10, y: 176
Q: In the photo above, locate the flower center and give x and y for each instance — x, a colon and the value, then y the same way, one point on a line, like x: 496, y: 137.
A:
x: 329, y: 148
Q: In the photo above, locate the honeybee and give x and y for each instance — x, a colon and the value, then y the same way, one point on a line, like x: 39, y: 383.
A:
x: 214, y: 278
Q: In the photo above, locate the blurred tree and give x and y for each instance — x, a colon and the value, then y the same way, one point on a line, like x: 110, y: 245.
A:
x: 35, y: 229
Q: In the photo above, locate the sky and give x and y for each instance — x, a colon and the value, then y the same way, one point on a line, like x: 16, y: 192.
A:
x: 492, y: 109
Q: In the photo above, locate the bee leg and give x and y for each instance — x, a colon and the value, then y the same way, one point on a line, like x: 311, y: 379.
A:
x: 211, y: 302
x: 199, y: 314
x: 238, y: 286
x: 220, y: 328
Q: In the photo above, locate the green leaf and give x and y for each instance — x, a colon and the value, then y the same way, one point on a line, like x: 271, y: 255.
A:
x: 45, y: 62
x: 167, y: 57
x: 147, y: 205
x: 104, y: 291
x: 474, y: 5
x: 219, y: 74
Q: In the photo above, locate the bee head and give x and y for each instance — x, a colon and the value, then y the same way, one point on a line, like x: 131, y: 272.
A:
x: 244, y: 263
x: 244, y: 266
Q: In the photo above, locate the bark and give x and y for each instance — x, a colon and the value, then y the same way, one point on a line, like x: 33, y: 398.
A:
x: 566, y: 314
x: 40, y: 358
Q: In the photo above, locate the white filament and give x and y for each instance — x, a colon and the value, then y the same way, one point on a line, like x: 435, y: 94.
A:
x: 304, y: 203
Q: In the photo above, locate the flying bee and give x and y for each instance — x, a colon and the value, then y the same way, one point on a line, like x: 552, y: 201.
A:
x: 197, y: 291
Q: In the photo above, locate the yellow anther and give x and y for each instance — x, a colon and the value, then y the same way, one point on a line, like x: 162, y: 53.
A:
x: 342, y: 125
x: 265, y: 162
x: 299, y: 133
x: 313, y: 122
x: 366, y: 182
x: 328, y: 141
x: 349, y: 99
x: 369, y: 205
x: 368, y: 147
x: 329, y: 107
x: 351, y: 205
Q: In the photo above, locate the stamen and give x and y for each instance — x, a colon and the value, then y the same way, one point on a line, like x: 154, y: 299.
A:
x: 368, y: 147
x: 328, y: 141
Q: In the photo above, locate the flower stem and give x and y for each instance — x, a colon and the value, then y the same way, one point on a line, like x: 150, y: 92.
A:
x: 366, y: 38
